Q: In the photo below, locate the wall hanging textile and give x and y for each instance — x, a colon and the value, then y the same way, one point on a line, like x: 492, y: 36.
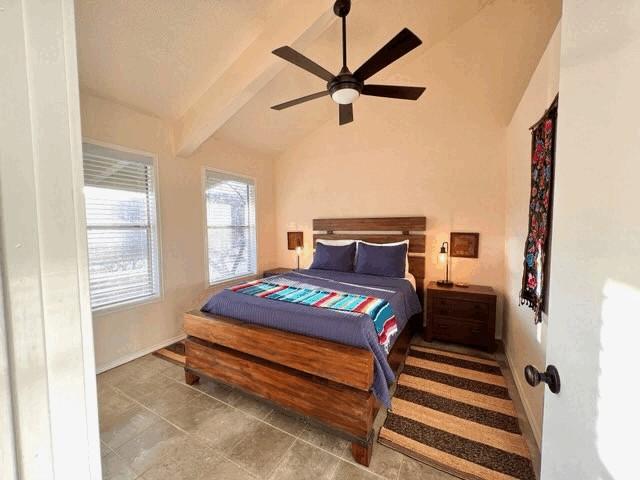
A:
x: 543, y: 144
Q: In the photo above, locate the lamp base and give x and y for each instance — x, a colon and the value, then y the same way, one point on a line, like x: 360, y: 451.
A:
x: 444, y: 283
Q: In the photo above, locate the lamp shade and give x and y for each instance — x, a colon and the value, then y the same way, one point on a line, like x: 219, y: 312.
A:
x: 295, y: 240
x: 442, y: 256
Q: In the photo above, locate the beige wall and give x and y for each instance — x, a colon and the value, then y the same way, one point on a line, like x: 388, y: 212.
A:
x: 123, y: 334
x: 525, y: 343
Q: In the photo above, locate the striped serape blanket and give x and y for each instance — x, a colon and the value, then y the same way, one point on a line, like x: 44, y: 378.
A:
x: 379, y: 310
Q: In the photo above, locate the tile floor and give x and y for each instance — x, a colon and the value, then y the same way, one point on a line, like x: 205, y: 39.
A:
x: 154, y: 427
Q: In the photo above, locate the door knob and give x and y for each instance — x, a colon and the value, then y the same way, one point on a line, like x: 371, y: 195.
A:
x: 550, y: 376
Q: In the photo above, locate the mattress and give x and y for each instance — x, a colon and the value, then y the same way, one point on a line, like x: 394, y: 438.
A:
x: 348, y: 328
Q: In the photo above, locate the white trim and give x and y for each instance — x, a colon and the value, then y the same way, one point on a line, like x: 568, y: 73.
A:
x: 205, y: 228
x: 126, y: 305
x: 49, y: 332
x: 140, y: 353
x: 229, y: 281
x: 159, y: 296
x: 523, y: 391
x: 8, y: 468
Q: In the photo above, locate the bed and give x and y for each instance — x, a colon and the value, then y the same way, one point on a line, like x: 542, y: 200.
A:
x: 312, y: 361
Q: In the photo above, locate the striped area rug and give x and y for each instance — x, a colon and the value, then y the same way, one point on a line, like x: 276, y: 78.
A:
x: 453, y: 412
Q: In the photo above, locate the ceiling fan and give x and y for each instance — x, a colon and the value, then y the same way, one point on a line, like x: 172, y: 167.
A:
x: 346, y: 87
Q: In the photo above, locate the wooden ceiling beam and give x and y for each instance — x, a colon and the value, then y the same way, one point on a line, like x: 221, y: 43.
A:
x: 251, y: 71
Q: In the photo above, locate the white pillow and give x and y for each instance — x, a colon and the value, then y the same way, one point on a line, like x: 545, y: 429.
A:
x: 391, y: 244
x: 411, y: 279
x: 335, y: 243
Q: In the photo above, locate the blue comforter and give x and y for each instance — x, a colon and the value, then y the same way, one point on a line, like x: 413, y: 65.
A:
x: 338, y: 326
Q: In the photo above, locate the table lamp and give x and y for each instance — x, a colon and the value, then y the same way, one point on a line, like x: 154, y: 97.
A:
x: 443, y: 257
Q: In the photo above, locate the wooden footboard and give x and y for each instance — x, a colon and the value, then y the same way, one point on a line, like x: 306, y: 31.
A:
x: 339, y: 363
x: 326, y: 381
x: 339, y: 406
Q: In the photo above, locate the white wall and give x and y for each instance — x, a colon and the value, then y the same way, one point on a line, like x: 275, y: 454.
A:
x: 124, y: 334
x: 525, y: 343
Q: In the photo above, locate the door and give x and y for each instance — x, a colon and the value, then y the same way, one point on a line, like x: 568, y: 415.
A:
x: 591, y: 427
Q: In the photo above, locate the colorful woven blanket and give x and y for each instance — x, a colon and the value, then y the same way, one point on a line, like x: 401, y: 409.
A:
x: 379, y: 310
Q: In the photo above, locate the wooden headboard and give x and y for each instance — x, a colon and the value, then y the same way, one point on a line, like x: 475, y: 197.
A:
x: 380, y: 230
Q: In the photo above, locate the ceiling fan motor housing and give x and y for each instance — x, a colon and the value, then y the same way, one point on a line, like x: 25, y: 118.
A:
x: 344, y: 88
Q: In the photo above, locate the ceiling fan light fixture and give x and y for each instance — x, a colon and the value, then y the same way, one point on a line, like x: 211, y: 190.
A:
x: 345, y: 96
x: 346, y: 87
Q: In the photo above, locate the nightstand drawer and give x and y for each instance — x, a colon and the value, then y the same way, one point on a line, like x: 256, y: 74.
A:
x: 460, y: 308
x: 459, y: 330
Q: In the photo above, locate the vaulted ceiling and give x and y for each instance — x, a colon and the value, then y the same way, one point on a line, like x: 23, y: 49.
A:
x: 161, y: 55
x: 206, y: 66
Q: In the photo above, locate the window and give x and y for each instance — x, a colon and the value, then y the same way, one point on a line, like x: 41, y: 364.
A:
x: 231, y: 226
x: 122, y: 230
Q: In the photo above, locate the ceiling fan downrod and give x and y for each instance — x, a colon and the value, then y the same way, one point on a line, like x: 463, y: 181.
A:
x: 342, y: 8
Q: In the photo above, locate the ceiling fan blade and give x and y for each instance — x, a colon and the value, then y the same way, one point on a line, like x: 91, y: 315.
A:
x: 297, y: 101
x: 346, y: 113
x: 401, y: 44
x: 290, y: 55
x: 393, y: 91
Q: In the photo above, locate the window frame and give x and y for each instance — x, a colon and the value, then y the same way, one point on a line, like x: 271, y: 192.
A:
x: 205, y: 230
x: 149, y: 299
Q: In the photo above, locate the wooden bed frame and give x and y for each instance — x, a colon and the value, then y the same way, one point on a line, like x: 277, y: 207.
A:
x: 325, y: 381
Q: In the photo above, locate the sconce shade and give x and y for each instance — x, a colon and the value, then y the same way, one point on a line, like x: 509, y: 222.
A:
x: 295, y: 240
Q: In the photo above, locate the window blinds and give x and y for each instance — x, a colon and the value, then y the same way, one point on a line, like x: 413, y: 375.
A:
x: 231, y: 232
x: 122, y: 229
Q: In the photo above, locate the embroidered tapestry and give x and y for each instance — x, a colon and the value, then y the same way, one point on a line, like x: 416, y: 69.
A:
x: 543, y: 139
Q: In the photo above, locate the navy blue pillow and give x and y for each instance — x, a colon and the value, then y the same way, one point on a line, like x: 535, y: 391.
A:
x: 387, y: 261
x: 334, y: 257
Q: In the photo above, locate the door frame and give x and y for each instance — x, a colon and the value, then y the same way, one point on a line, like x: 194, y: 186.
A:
x: 46, y: 334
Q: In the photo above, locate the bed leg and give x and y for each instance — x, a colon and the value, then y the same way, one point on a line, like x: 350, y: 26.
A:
x: 190, y: 378
x: 362, y: 453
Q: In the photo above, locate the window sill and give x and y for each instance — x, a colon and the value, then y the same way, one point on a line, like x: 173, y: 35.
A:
x: 231, y: 281
x: 99, y: 312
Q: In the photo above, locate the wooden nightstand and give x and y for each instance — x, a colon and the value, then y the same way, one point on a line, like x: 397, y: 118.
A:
x: 461, y: 315
x: 276, y: 271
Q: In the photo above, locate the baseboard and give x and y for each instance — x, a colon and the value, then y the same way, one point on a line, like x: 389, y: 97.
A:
x: 522, y: 391
x: 138, y: 354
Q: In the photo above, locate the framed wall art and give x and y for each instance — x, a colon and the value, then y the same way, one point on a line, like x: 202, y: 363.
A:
x: 464, y: 244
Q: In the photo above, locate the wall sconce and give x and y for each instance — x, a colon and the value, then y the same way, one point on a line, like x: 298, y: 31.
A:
x: 443, y: 257
x: 295, y: 241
